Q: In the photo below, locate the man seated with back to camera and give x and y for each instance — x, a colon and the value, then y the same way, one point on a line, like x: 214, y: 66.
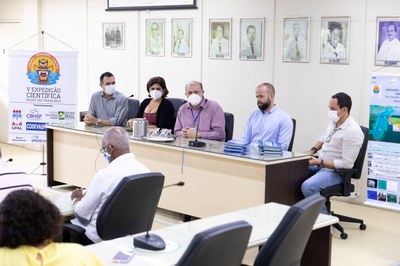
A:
x: 338, y: 147
x: 122, y: 163
x: 199, y: 113
x: 108, y: 107
x: 269, y: 123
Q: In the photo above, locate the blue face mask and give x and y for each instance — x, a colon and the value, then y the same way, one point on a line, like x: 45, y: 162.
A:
x: 107, y: 156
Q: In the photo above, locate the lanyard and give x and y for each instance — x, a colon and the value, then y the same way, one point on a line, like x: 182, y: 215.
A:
x: 197, y: 116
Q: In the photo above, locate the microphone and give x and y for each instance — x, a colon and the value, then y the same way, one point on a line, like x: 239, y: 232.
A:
x: 9, y: 160
x: 153, y: 241
x: 195, y: 142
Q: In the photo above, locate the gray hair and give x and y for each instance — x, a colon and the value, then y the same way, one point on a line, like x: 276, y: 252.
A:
x: 117, y: 136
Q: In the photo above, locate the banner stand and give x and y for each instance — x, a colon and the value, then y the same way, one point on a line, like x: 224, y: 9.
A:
x: 41, y: 47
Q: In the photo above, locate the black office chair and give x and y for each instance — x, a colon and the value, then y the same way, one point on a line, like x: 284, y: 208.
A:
x: 127, y: 211
x: 287, y: 243
x: 176, y: 102
x: 229, y: 125
x: 346, y: 188
x: 82, y: 115
x: 223, y: 245
x: 290, y: 147
x: 133, y: 108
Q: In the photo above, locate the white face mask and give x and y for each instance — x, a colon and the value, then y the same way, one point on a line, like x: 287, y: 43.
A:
x: 194, y: 99
x: 110, y: 89
x: 332, y: 116
x: 155, y: 94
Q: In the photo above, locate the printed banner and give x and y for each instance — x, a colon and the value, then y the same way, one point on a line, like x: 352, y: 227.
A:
x: 42, y: 89
x: 383, y: 181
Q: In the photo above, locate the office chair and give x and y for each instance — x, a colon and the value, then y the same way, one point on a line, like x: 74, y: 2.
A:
x: 82, y: 115
x: 229, y: 125
x: 346, y: 188
x: 176, y: 102
x: 223, y: 245
x: 127, y: 210
x: 133, y: 108
x: 287, y: 243
x: 293, y: 134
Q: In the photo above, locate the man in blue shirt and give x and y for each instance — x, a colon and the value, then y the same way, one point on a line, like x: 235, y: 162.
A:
x: 269, y: 123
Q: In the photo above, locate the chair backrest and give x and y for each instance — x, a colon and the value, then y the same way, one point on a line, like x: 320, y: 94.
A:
x: 359, y: 162
x: 82, y: 115
x: 223, y: 245
x: 133, y: 108
x: 131, y: 206
x: 290, y: 147
x: 176, y: 102
x: 287, y: 243
x: 229, y: 125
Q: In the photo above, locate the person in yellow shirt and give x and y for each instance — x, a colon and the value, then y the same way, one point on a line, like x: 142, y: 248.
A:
x: 28, y: 225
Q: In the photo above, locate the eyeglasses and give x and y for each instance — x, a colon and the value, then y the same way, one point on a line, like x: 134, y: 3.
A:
x: 328, y: 139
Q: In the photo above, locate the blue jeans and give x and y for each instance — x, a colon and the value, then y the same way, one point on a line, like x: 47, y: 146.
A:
x: 320, y: 178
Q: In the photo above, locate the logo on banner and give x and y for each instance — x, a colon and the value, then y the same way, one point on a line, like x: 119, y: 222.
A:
x: 61, y: 115
x: 43, y: 69
x: 16, y: 120
x: 37, y: 139
x: 34, y: 114
x: 35, y: 126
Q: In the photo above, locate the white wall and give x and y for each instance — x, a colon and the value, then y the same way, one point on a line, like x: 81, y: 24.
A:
x: 303, y: 89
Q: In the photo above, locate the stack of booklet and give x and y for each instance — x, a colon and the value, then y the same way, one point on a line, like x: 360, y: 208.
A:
x: 268, y: 148
x: 235, y: 146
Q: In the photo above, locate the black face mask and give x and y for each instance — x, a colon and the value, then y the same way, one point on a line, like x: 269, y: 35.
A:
x: 264, y: 106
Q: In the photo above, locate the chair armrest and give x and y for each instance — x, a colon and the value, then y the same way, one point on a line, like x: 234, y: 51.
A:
x: 72, y: 233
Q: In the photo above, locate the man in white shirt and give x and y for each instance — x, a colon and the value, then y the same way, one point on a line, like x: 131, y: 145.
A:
x: 251, y: 48
x: 219, y: 45
x: 155, y: 45
x: 115, y: 146
x: 390, y: 48
x: 181, y: 47
x: 295, y: 46
x: 332, y: 48
x: 338, y: 147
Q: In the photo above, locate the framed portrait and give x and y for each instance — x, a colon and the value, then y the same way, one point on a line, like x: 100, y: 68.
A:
x: 335, y: 40
x: 116, y: 5
x: 296, y: 36
x: 220, y: 34
x: 155, y: 37
x: 387, y: 52
x: 252, y: 38
x: 114, y: 35
x: 181, y: 37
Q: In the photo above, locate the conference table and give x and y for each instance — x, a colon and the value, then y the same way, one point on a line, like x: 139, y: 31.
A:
x: 263, y: 218
x: 215, y: 182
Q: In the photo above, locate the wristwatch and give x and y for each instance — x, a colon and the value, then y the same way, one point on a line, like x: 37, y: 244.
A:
x: 321, y: 164
x: 98, y: 122
x: 314, y: 149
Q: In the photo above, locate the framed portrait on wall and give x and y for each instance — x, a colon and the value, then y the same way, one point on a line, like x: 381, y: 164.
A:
x: 155, y: 37
x: 387, y: 51
x: 335, y: 40
x: 114, y: 35
x: 220, y: 39
x: 252, y: 38
x: 296, y: 36
x: 181, y: 37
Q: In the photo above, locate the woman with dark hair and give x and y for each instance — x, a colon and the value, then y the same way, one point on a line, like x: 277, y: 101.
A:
x: 158, y: 111
x: 28, y: 225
